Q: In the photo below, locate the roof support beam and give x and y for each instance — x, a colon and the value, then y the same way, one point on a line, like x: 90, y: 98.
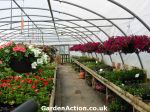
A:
x: 50, y: 8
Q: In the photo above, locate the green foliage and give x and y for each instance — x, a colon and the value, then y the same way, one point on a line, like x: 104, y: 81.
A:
x: 118, y: 105
x: 125, y: 76
x: 17, y: 88
x: 83, y: 59
x: 137, y: 90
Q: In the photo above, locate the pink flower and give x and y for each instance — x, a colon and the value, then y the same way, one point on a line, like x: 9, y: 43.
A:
x: 19, y: 48
x: 8, y: 44
x: 36, y: 90
x: 1, y: 62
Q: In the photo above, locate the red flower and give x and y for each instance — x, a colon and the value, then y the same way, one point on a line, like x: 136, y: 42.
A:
x: 34, y: 87
x: 5, y: 85
x: 19, y: 87
x: 29, y: 81
x: 45, y: 83
x: 19, y: 48
x: 37, y: 77
x: 42, y: 79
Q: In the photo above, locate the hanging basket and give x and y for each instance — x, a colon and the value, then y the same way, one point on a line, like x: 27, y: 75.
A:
x: 21, y: 66
x: 130, y: 48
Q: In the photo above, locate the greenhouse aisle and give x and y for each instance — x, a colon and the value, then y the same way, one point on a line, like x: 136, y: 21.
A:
x: 72, y: 91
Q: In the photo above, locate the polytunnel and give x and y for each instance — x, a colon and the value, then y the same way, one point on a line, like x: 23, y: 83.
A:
x: 74, y: 55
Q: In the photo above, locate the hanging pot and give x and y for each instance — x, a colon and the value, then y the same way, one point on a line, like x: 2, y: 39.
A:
x: 21, y: 66
x: 130, y: 48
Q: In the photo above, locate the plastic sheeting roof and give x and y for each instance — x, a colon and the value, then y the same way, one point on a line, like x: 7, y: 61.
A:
x: 71, y: 21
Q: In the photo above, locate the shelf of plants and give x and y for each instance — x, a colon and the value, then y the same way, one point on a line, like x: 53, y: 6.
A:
x: 25, y: 73
x: 126, y: 84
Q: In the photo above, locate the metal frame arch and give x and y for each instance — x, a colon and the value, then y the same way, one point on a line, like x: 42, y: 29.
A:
x: 83, y: 20
x: 69, y: 3
x: 49, y: 25
x: 71, y: 23
x: 56, y: 23
x: 130, y: 12
x: 27, y: 32
x: 81, y: 7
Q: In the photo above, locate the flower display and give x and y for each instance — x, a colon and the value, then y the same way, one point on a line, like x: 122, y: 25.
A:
x: 22, y: 58
x: 15, y: 90
x: 125, y: 44
x: 19, y: 48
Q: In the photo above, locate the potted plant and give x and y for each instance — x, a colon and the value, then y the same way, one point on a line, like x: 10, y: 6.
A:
x: 22, y: 58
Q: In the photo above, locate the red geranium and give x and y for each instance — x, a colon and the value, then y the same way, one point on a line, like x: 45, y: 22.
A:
x: 45, y: 83
x: 34, y: 87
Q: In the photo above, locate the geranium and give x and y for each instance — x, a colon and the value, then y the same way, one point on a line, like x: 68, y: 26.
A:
x: 34, y: 87
x: 45, y: 83
x: 19, y: 48
x: 19, y: 87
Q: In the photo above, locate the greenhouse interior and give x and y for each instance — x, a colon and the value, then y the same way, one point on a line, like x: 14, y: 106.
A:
x: 74, y: 55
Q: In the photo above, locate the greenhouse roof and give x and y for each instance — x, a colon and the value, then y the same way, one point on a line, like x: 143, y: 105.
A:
x: 71, y: 21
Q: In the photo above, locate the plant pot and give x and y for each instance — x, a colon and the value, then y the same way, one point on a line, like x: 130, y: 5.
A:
x: 129, y: 49
x: 21, y: 66
x: 82, y: 75
x: 7, y: 107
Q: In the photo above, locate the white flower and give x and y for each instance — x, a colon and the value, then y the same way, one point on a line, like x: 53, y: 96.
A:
x: 34, y: 64
x: 40, y: 61
x: 122, y: 84
x: 31, y: 47
x: 45, y: 58
x: 37, y: 52
x: 137, y: 75
x: 101, y: 70
x: 96, y: 61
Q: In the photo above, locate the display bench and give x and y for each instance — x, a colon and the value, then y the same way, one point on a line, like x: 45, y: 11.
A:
x: 52, y: 95
x: 138, y: 104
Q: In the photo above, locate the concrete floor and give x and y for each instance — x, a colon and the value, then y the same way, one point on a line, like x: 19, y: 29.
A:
x: 72, y: 91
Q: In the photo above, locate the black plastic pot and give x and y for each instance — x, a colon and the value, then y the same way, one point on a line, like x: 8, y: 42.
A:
x: 7, y: 107
x: 21, y: 66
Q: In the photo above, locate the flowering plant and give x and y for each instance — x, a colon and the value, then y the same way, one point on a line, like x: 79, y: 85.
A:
x: 22, y: 58
x: 16, y: 89
x: 125, y: 44
x: 41, y: 57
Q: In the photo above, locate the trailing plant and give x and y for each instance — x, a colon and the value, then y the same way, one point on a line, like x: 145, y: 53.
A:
x: 125, y: 44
